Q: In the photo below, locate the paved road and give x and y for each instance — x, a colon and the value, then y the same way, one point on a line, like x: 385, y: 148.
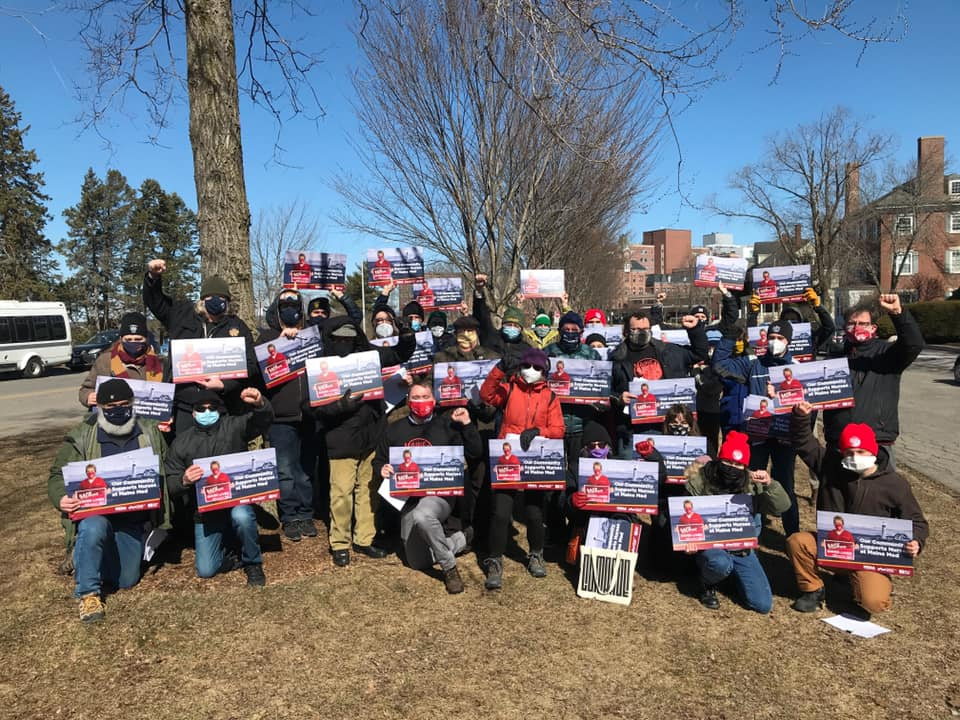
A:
x: 28, y: 406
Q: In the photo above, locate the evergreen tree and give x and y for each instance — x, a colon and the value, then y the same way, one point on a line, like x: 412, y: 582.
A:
x: 27, y: 270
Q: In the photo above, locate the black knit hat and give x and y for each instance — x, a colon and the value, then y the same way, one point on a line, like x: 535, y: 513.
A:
x: 413, y: 308
x: 781, y: 327
x: 594, y: 432
x: 207, y: 397
x: 383, y: 309
x: 133, y: 323
x: 437, y: 317
x: 319, y: 303
x: 113, y: 390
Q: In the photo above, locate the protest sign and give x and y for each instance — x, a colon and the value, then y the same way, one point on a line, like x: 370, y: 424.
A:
x: 765, y: 418
x: 331, y: 376
x: 581, y: 382
x: 612, y: 533
x: 542, y: 467
x: 707, y: 522
x: 151, y: 400
x: 784, y: 283
x: 309, y: 270
x: 401, y: 265
x: 606, y: 575
x: 419, y: 471
x: 677, y: 451
x: 710, y: 271
x: 283, y: 358
x: 628, y: 486
x: 612, y: 335
x: 125, y: 482
x: 676, y: 336
x: 541, y: 284
x: 654, y: 398
x: 438, y: 293
x: 457, y: 383
x: 825, y: 384
x: 201, y: 358
x: 420, y: 362
x: 237, y: 479
x: 864, y: 542
x: 800, y: 347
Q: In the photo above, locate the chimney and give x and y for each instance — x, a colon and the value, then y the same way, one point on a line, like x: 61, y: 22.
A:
x: 930, y: 165
x: 797, y: 236
x: 851, y: 189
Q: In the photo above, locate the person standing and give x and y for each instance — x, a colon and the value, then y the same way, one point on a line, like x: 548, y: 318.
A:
x: 130, y: 357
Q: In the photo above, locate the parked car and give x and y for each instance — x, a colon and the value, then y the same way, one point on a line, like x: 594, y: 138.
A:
x: 956, y: 370
x: 86, y: 352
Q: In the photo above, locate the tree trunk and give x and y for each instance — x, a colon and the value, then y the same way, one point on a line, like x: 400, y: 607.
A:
x: 222, y: 209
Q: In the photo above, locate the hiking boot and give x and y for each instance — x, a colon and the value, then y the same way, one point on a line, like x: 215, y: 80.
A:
x: 535, y: 565
x: 308, y: 529
x: 809, y: 601
x: 341, y: 558
x: 371, y: 551
x: 230, y: 563
x: 452, y: 581
x: 708, y: 597
x: 91, y: 608
x: 494, y: 568
x: 292, y: 531
x: 255, y: 576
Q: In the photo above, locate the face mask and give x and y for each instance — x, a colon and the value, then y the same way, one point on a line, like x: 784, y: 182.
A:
x: 215, y: 306
x: 422, y: 408
x: 316, y: 321
x: 437, y: 331
x: 777, y: 347
x: 531, y: 375
x: 858, y: 463
x: 859, y: 335
x: 289, y: 316
x: 134, y: 349
x: 569, y: 341
x: 599, y: 452
x: 206, y: 418
x: 639, y: 337
x: 738, y: 347
x: 730, y: 477
x: 342, y: 348
x: 541, y: 330
x: 510, y: 332
x: 118, y: 415
x: 594, y: 326
x: 384, y: 330
x: 678, y: 429
x: 467, y: 339
x: 415, y: 325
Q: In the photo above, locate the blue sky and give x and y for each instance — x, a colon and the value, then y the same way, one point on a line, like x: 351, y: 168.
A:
x: 907, y: 89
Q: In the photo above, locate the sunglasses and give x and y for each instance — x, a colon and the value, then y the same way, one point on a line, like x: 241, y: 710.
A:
x: 206, y: 407
x: 596, y: 444
x: 528, y: 366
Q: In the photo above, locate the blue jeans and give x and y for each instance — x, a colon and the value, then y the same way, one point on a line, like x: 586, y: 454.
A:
x: 717, y: 565
x: 237, y: 523
x: 108, y: 548
x: 781, y: 470
x: 296, y: 486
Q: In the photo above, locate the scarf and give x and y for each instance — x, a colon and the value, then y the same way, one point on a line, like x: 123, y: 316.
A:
x: 151, y: 363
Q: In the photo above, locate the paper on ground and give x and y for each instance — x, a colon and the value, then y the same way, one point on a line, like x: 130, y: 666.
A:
x: 384, y: 492
x: 860, y: 628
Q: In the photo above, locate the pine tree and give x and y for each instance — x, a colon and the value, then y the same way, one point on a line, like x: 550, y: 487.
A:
x: 27, y: 270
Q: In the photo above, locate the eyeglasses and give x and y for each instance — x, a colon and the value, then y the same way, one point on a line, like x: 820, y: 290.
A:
x: 206, y: 408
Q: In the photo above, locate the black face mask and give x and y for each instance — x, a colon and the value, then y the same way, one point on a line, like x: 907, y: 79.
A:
x: 289, y: 316
x: 316, y: 321
x: 118, y: 415
x: 342, y: 347
x: 730, y: 478
x: 134, y: 349
x: 215, y: 305
x: 569, y: 341
x: 638, y: 338
x: 678, y: 429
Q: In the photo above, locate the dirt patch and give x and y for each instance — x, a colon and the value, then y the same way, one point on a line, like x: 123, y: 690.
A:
x: 378, y: 640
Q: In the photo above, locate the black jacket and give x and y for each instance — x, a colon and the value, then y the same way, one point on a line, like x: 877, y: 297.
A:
x: 490, y: 337
x: 287, y: 398
x: 676, y: 360
x: 875, y: 370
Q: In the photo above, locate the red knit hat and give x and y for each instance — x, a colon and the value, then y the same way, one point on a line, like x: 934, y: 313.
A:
x: 736, y: 448
x: 858, y: 436
x: 594, y: 314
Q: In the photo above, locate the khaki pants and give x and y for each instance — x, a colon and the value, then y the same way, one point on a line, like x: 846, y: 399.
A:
x: 871, y: 590
x: 353, y: 502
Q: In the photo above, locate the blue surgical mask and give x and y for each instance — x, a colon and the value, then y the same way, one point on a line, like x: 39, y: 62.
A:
x: 215, y: 305
x: 415, y: 325
x: 206, y: 418
x: 118, y: 415
x: 510, y: 332
x: 541, y: 330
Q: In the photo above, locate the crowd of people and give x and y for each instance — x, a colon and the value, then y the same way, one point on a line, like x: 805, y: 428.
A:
x: 332, y: 458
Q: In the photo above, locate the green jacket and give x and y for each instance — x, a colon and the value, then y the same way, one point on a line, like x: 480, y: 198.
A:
x: 769, y: 499
x: 80, y: 444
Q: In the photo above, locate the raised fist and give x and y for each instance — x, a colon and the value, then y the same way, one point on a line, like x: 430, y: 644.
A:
x: 156, y: 267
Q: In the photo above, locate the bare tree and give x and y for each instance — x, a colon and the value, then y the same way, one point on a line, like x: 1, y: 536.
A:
x: 288, y: 227
x: 801, y: 178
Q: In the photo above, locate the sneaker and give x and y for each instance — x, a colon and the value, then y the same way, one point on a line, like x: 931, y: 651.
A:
x: 809, y: 601
x: 535, y: 565
x: 708, y: 597
x: 494, y: 568
x: 371, y: 551
x: 255, y: 576
x: 292, y: 531
x: 91, y: 608
x: 452, y: 581
x: 341, y: 558
x: 308, y: 528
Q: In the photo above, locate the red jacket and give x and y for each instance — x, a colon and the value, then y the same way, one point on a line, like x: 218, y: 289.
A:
x: 524, y: 406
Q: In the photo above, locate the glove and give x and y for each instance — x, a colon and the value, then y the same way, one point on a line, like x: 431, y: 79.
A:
x: 509, y: 364
x: 527, y: 436
x: 349, y: 403
x: 755, y: 303
x: 644, y: 448
x: 579, y: 500
x: 810, y: 295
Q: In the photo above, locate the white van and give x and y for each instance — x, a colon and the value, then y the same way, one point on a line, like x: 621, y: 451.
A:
x: 33, y: 336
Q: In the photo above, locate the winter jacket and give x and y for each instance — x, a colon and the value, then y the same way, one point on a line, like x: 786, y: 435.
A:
x: 183, y: 322
x: 524, y: 406
x: 676, y: 360
x: 287, y: 398
x: 491, y: 337
x: 534, y: 340
x: 750, y: 373
x: 101, y: 366
x: 575, y: 416
x: 885, y: 493
x: 822, y: 330
x: 81, y: 444
x: 229, y: 435
x: 770, y: 499
x: 875, y: 370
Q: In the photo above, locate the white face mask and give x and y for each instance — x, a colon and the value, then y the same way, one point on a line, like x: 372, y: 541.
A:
x: 384, y: 330
x: 437, y: 331
x: 778, y: 347
x: 531, y: 375
x: 858, y: 463
x: 593, y: 325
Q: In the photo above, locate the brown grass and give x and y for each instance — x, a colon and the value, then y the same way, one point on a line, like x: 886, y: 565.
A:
x: 378, y: 640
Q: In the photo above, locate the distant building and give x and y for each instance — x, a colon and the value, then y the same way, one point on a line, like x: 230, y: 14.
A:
x: 715, y: 238
x: 671, y: 249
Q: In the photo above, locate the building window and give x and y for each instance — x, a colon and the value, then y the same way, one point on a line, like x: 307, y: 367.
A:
x: 909, y: 260
x: 904, y: 225
x: 952, y: 261
x: 955, y: 187
x: 953, y: 222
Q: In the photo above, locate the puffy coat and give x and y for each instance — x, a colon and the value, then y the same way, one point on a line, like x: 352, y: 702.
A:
x: 524, y: 406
